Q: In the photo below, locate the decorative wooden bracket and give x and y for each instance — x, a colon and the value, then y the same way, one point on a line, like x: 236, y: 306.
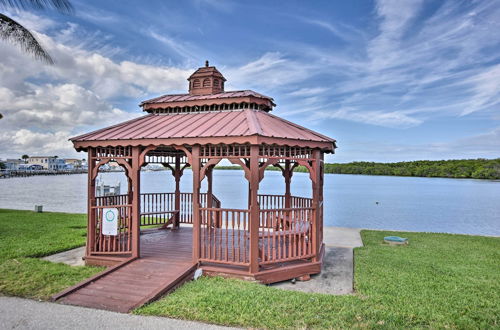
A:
x: 186, y: 151
x: 264, y: 165
x: 211, y: 162
x: 125, y: 164
x: 310, y: 168
x: 238, y: 161
x: 142, y: 155
x: 172, y: 169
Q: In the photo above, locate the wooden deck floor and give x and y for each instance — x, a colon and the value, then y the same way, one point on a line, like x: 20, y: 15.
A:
x: 165, y: 263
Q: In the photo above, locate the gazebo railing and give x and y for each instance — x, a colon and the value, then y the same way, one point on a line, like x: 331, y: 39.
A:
x: 106, y: 244
x: 286, y: 234
x: 224, y: 236
x: 158, y: 208
x: 278, y: 201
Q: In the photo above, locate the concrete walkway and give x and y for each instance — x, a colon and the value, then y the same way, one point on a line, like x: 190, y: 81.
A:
x: 71, y: 257
x: 338, y: 264
x: 18, y: 313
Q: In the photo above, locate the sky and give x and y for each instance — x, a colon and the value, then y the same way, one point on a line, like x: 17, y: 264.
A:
x: 390, y: 80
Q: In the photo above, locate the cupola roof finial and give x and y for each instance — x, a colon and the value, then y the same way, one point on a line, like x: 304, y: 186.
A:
x: 206, y: 80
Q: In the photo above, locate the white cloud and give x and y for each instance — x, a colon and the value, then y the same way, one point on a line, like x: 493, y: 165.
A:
x: 44, y: 105
x: 415, y: 67
x: 271, y: 71
x: 485, y: 89
x: 396, y: 119
x: 308, y: 91
x: 56, y: 107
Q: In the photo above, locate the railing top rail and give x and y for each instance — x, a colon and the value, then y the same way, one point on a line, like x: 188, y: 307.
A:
x: 223, y: 209
x: 302, y: 197
x: 156, y: 193
x: 121, y: 195
x: 287, y: 209
x: 274, y: 195
x: 162, y: 193
x: 110, y: 206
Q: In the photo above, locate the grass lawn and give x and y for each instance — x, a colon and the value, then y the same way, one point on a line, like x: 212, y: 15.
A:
x: 25, y: 236
x: 438, y: 281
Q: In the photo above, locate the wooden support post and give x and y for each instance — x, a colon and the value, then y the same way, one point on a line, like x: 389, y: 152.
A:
x: 209, y: 187
x: 288, y: 178
x: 91, y: 218
x: 195, y: 155
x: 129, y: 188
x: 321, y: 183
x: 254, y: 216
x: 177, y: 176
x: 316, y: 190
x: 135, y: 177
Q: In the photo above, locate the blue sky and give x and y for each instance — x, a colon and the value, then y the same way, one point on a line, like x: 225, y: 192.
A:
x: 390, y: 80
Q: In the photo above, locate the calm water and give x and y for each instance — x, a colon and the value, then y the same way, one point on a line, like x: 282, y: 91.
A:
x: 417, y: 204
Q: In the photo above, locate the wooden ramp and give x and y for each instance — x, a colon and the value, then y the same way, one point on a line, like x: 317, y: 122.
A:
x: 165, y: 263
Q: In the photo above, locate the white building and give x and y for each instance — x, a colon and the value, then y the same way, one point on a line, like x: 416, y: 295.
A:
x: 47, y: 162
x: 12, y: 164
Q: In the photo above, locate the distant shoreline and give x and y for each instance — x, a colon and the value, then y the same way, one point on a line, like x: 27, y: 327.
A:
x: 480, y: 169
x: 485, y: 169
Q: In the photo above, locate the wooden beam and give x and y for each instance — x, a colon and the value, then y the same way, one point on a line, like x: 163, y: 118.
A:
x: 135, y: 176
x: 254, y: 209
x: 287, y: 174
x: 177, y: 176
x: 195, y: 165
x: 316, y: 190
x: 91, y: 219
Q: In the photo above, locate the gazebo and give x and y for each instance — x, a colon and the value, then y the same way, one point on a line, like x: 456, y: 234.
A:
x: 277, y: 237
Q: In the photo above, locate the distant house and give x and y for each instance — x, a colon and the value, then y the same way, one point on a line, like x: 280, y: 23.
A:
x: 30, y: 167
x: 73, y: 163
x: 47, y: 162
x: 12, y: 164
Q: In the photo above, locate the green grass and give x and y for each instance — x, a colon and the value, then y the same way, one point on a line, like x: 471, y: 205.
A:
x: 24, y: 237
x: 438, y: 281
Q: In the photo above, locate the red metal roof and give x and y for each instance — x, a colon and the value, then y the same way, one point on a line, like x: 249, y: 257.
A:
x: 205, y: 125
x: 189, y: 97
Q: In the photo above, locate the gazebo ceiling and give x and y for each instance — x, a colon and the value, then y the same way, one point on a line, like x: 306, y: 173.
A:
x: 208, y: 125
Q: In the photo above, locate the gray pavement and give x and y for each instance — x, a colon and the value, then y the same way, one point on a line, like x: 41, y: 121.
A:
x: 18, y: 313
x: 71, y: 257
x: 337, y: 274
x: 342, y: 237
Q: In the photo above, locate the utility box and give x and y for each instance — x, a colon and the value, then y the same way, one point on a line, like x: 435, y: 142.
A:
x: 39, y: 208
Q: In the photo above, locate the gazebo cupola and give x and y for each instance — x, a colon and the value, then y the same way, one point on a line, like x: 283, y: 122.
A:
x: 206, y: 93
x: 206, y: 80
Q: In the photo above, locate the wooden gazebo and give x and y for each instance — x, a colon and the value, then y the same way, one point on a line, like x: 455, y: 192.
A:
x: 278, y: 237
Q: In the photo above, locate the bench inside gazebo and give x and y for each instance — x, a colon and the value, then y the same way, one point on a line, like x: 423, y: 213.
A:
x: 276, y: 238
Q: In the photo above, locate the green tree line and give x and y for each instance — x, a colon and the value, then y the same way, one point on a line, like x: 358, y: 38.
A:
x: 456, y: 168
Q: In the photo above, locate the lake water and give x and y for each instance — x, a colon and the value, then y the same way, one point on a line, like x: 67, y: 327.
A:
x: 404, y: 203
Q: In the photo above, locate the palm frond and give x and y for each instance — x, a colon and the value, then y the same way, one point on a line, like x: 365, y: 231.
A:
x: 63, y: 6
x: 14, y: 32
